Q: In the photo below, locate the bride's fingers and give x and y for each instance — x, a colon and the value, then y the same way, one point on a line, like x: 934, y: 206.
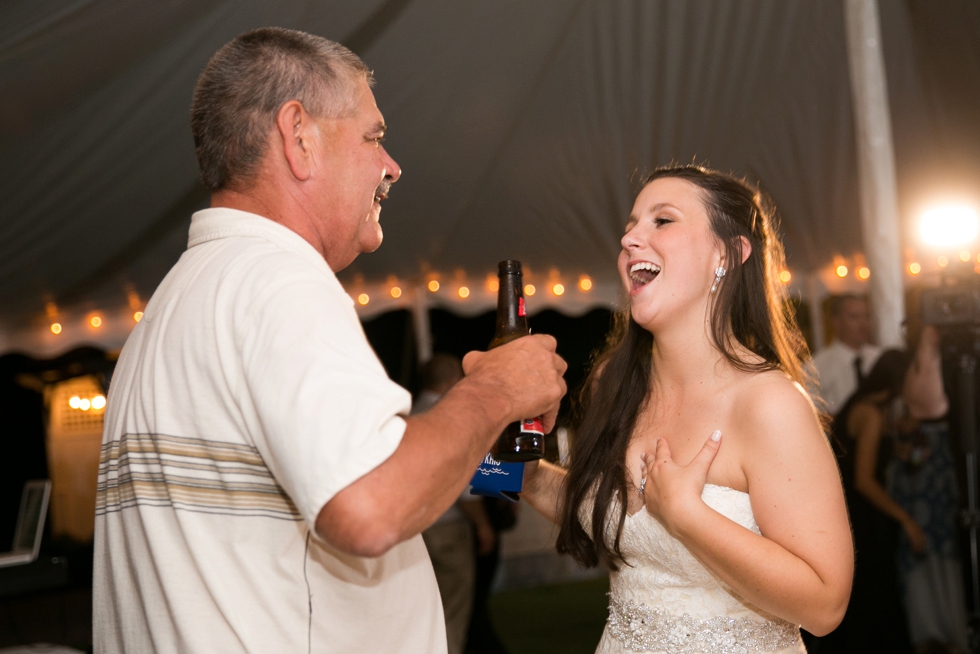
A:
x: 663, y: 451
x: 708, y: 451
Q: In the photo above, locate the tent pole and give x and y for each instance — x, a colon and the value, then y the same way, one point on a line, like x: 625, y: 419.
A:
x: 814, y: 299
x: 876, y: 168
x: 420, y: 320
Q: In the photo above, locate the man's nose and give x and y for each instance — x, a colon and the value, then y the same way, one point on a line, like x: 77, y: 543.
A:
x: 392, y: 170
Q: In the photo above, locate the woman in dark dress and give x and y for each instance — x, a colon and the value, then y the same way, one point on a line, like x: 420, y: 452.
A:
x: 875, y: 619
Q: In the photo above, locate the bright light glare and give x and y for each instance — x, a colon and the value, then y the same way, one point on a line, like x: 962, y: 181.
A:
x: 942, y: 261
x: 433, y: 286
x: 915, y: 268
x: 137, y: 316
x: 98, y: 402
x: 363, y: 299
x: 56, y: 328
x: 964, y: 256
x: 85, y: 404
x: 493, y: 284
x: 842, y: 271
x: 74, y: 401
x: 558, y: 289
x: 949, y: 226
x: 95, y: 322
x: 396, y: 292
x: 785, y: 276
x: 529, y: 289
x: 585, y: 283
x: 864, y: 273
x: 463, y: 292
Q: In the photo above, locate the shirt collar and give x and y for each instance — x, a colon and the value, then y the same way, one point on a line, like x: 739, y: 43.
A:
x: 221, y: 222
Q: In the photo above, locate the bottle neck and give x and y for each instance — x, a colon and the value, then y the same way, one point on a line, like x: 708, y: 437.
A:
x: 511, y: 315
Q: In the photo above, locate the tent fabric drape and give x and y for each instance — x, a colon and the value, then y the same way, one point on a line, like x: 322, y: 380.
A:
x: 520, y: 127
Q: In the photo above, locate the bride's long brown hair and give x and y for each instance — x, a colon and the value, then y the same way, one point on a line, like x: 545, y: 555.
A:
x: 749, y: 310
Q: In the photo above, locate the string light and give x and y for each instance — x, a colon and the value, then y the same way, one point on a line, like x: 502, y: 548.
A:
x: 493, y: 284
x: 558, y: 289
x: 529, y: 289
x: 137, y: 316
x: 864, y: 272
x: 942, y: 261
x: 915, y: 268
x: 56, y: 328
x: 96, y: 402
x: 463, y: 292
x: 433, y: 286
x: 95, y: 321
x: 363, y: 299
x: 396, y: 292
x: 841, y: 271
x: 964, y: 256
x: 585, y: 283
x: 785, y: 276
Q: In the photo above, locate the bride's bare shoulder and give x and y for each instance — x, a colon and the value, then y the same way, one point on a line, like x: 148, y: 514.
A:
x: 770, y: 404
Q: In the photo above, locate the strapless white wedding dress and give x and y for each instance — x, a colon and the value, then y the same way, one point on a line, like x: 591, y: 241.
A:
x: 666, y: 601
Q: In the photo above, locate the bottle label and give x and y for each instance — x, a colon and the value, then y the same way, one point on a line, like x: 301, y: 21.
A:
x: 521, y: 311
x: 532, y: 426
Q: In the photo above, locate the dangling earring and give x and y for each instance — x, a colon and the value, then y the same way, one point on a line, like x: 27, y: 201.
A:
x: 719, y: 273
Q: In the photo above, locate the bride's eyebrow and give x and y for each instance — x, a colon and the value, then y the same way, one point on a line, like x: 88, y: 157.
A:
x: 663, y: 205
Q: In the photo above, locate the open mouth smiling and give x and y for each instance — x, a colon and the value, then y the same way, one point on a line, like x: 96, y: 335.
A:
x: 642, y: 273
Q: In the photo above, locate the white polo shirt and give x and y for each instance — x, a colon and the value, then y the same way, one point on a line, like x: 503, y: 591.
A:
x: 244, y: 400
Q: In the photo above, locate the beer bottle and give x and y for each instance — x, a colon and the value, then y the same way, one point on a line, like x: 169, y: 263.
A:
x: 522, y: 440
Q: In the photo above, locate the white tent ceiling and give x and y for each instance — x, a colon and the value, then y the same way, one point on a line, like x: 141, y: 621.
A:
x: 519, y: 126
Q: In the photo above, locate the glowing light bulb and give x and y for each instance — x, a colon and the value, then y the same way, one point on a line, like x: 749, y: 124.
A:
x: 942, y: 261
x: 785, y: 276
x: 915, y: 268
x: 98, y: 402
x: 137, y: 316
x: 363, y: 299
x: 965, y: 256
x: 396, y: 292
x: 529, y: 289
x: 585, y: 283
x: 95, y: 321
x: 841, y: 271
x: 463, y: 292
x: 433, y: 286
x: 493, y: 284
x: 74, y: 401
x: 85, y: 404
x: 558, y: 289
x: 864, y: 273
x: 56, y: 328
x: 949, y: 226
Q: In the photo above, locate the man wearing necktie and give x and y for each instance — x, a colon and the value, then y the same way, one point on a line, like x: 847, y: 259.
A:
x: 842, y: 365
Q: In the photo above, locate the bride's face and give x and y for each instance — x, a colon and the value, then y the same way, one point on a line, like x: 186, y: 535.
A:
x: 669, y: 254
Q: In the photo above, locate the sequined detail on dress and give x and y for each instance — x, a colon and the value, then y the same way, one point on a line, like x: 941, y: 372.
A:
x: 643, y: 629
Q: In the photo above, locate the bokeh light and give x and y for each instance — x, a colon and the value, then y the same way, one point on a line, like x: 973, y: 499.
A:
x: 585, y: 283
x: 363, y: 299
x: 915, y: 268
x: 56, y: 328
x: 558, y: 289
x: 433, y: 286
x: 864, y: 272
x: 529, y: 289
x: 841, y: 271
x: 949, y: 226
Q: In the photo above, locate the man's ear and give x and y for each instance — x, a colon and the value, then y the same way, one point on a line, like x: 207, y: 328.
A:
x: 296, y: 129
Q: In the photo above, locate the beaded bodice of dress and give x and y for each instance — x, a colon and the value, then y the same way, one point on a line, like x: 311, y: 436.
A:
x: 666, y: 600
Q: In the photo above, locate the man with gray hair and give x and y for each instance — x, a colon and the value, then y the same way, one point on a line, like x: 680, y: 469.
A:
x: 262, y: 487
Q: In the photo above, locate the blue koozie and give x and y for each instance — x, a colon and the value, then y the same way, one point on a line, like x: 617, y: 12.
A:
x: 496, y: 479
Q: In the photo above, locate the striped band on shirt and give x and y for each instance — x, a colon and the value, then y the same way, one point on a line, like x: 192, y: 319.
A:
x: 190, y: 474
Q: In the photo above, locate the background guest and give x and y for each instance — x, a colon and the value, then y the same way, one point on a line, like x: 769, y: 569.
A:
x: 450, y: 539
x: 842, y: 365
x: 875, y: 620
x: 923, y: 482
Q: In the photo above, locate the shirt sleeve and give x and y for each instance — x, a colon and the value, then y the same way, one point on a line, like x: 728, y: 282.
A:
x: 327, y: 410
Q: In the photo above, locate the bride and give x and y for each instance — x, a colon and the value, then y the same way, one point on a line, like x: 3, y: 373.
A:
x: 700, y: 474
